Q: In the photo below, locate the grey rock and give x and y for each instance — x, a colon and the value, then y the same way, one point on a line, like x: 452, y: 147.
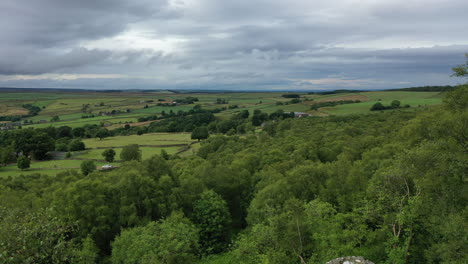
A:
x: 350, y: 260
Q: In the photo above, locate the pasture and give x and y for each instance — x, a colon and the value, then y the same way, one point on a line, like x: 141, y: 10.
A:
x: 50, y: 167
x: 146, y: 152
x: 71, y: 107
x: 153, y: 139
x: 414, y: 99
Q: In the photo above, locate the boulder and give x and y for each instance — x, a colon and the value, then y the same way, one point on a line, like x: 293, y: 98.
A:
x: 350, y: 260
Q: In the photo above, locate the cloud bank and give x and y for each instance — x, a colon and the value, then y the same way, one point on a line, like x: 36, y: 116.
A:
x: 245, y: 45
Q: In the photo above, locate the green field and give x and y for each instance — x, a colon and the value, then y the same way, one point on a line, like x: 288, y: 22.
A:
x: 69, y: 107
x: 153, y: 139
x: 51, y: 167
x: 414, y: 99
x: 146, y: 152
x: 151, y: 144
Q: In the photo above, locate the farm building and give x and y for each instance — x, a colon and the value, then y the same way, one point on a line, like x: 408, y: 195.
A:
x: 107, y: 167
x: 301, y: 114
x: 9, y: 126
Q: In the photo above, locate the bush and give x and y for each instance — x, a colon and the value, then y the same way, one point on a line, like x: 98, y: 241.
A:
x: 377, y: 106
x: 23, y: 162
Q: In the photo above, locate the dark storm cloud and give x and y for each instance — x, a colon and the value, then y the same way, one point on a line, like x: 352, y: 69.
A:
x: 47, y: 23
x: 260, y: 44
x: 43, y: 36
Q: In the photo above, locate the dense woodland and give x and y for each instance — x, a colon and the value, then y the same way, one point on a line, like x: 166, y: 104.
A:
x: 390, y: 186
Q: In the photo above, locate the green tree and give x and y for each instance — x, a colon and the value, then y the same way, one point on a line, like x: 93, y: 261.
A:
x: 164, y: 154
x: 55, y: 119
x: 200, y: 133
x: 395, y: 104
x: 109, y: 155
x: 23, y: 162
x: 170, y: 241
x: 212, y: 217
x: 258, y: 117
x: 457, y: 100
x: 102, y: 133
x: 78, y: 132
x: 64, y: 131
x: 102, y: 204
x: 461, y: 70
x: 377, y: 106
x: 33, y: 237
x: 87, y: 167
x: 76, y: 145
x: 7, y: 155
x: 61, y: 146
x: 131, y: 152
x: 40, y: 144
x: 88, y: 253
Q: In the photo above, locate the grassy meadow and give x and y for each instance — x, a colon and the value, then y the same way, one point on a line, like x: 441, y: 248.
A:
x: 69, y: 106
x: 150, y: 145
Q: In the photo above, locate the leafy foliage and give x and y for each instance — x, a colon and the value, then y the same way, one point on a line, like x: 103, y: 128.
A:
x: 87, y: 167
x: 173, y: 240
x: 33, y: 237
x: 212, y: 217
x: 109, y: 155
x: 76, y: 145
x: 131, y: 152
x: 389, y: 186
x: 23, y: 162
x: 200, y: 133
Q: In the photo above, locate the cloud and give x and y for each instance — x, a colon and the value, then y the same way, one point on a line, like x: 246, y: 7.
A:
x: 260, y: 44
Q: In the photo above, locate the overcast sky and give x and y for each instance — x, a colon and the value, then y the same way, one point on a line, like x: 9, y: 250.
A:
x: 238, y: 44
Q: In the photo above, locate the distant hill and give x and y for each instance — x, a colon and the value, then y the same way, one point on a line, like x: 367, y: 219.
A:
x: 336, y: 92
x: 426, y: 89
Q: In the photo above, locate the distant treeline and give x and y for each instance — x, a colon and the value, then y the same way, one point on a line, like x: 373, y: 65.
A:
x: 10, y: 118
x: 395, y: 104
x: 33, y: 110
x: 336, y: 92
x: 290, y: 95
x: 444, y: 88
x: 195, y: 110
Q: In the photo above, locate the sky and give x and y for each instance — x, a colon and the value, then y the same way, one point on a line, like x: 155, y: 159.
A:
x: 236, y: 45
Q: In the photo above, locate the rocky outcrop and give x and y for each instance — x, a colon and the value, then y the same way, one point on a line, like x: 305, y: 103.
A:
x: 350, y: 260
